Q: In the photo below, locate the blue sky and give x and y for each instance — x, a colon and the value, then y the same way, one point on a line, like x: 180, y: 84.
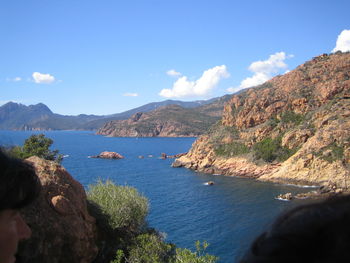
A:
x: 108, y: 56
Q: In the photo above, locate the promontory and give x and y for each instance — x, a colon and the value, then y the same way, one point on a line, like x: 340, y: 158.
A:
x: 294, y: 128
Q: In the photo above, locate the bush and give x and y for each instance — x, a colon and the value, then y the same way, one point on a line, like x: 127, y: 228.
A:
x: 123, y: 205
x: 335, y: 152
x: 146, y: 248
x: 199, y: 256
x: 266, y: 149
x: 270, y: 150
x: 292, y: 117
x: 231, y: 149
x: 36, y: 145
x: 120, y: 213
x: 149, y: 248
x: 218, y: 132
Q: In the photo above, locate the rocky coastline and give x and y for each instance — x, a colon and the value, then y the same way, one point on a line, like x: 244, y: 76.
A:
x: 298, y: 122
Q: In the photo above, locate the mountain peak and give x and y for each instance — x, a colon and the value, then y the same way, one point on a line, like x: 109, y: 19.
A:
x: 40, y: 107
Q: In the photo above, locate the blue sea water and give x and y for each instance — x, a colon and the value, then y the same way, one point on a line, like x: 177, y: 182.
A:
x: 228, y: 215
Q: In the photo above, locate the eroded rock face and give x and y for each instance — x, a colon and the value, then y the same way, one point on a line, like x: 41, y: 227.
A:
x: 62, y: 229
x: 310, y: 85
x: 296, y: 138
x: 307, y: 109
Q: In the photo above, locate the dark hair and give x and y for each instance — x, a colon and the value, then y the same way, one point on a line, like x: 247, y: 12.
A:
x: 19, y: 184
x: 310, y: 233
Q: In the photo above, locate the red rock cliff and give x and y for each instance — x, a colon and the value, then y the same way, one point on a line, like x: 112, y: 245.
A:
x: 306, y: 112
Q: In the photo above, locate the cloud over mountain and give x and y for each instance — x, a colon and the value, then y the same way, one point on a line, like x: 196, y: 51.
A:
x: 343, y: 42
x: 200, y: 87
x: 263, y: 70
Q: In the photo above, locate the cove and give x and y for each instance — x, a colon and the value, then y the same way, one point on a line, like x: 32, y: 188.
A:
x: 228, y: 214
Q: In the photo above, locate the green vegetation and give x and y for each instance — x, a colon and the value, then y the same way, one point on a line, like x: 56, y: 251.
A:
x: 270, y: 150
x: 124, y: 236
x: 231, y: 149
x: 146, y: 248
x: 331, y: 152
x: 292, y: 117
x: 287, y: 117
x: 273, y: 122
x: 36, y: 145
x: 125, y: 207
x: 199, y: 256
x: 150, y: 249
x: 218, y: 132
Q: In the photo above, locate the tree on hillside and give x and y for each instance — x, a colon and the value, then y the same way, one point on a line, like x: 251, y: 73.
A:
x: 36, y: 145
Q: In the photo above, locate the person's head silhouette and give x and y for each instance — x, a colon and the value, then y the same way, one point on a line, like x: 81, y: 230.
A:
x: 19, y: 186
x: 318, y: 232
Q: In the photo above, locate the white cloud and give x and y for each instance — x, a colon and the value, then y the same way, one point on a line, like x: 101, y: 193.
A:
x: 130, y: 94
x: 173, y: 73
x: 43, y: 78
x: 201, y: 87
x: 343, y: 42
x: 263, y: 71
x: 16, y: 79
x: 233, y: 89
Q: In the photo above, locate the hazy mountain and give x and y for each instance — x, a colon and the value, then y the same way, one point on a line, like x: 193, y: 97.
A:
x: 15, y: 116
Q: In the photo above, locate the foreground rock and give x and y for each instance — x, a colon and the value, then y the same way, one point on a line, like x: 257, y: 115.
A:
x: 298, y: 122
x: 108, y: 155
x: 62, y: 229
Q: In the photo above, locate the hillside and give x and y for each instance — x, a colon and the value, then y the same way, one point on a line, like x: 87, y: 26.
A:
x: 15, y: 116
x: 294, y: 128
x: 95, y: 124
x: 167, y: 121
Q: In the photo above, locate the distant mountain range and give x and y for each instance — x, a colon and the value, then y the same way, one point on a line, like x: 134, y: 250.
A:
x: 15, y: 116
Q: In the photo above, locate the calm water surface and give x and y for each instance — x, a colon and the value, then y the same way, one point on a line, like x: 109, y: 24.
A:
x: 228, y: 215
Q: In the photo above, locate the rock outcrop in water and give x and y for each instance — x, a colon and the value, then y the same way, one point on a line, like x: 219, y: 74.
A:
x: 109, y: 155
x: 294, y: 128
x: 62, y: 229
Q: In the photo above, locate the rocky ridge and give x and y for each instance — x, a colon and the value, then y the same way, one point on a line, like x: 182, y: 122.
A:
x: 294, y: 128
x: 167, y: 121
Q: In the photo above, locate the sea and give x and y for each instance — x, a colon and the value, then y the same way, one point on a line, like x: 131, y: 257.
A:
x: 228, y: 215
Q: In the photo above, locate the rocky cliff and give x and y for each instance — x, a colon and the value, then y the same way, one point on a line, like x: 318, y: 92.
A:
x: 294, y: 128
x: 167, y: 121
x: 62, y: 229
